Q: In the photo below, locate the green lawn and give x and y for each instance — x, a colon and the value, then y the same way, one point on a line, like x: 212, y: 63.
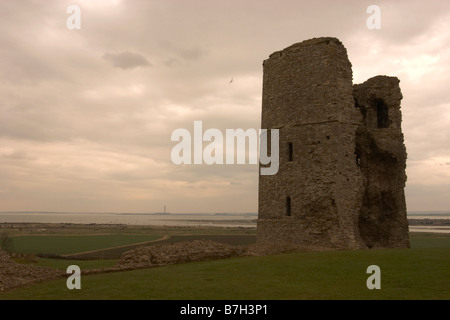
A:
x: 83, y: 264
x: 430, y: 240
x: 74, y: 244
x: 422, y: 272
x: 405, y: 274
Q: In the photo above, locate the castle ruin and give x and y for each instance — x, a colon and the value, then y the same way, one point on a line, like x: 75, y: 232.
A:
x: 341, y: 179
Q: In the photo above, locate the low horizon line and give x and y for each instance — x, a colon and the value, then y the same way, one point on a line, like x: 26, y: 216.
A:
x: 192, y: 212
x: 111, y: 212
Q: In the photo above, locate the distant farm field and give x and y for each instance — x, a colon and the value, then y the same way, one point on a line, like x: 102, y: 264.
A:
x: 74, y: 244
x: 419, y: 240
x: 111, y: 246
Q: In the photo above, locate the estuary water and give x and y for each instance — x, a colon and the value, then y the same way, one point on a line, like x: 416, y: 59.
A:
x: 223, y: 220
x: 247, y: 220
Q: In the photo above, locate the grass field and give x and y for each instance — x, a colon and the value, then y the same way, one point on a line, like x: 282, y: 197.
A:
x: 109, y: 246
x: 428, y: 240
x: 73, y: 244
x: 405, y: 274
x: 83, y: 264
x: 422, y: 272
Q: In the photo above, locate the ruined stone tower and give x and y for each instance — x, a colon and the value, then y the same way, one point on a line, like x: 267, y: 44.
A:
x: 341, y: 178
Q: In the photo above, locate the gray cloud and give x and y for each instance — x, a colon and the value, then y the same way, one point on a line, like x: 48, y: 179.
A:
x: 126, y: 60
x: 81, y: 128
x: 18, y: 155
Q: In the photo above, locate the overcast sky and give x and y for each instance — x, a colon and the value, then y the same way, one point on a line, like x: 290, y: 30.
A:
x: 86, y: 115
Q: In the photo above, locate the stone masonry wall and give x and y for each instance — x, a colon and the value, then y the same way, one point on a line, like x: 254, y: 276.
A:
x: 382, y: 153
x: 319, y: 197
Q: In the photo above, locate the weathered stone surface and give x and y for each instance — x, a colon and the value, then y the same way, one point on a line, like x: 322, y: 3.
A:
x: 338, y: 145
x: 382, y: 156
x: 4, y: 257
x: 179, y: 252
x: 14, y: 275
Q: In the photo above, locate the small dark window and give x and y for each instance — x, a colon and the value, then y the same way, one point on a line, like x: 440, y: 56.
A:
x: 288, y: 206
x: 291, y: 151
x: 382, y: 114
x: 358, y: 159
x: 266, y: 138
x: 269, y: 142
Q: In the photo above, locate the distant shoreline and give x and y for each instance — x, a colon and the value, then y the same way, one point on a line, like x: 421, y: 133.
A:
x: 429, y: 222
x: 418, y: 220
x: 138, y: 213
x: 409, y: 214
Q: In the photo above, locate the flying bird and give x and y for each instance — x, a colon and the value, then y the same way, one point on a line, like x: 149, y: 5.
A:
x: 231, y: 81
